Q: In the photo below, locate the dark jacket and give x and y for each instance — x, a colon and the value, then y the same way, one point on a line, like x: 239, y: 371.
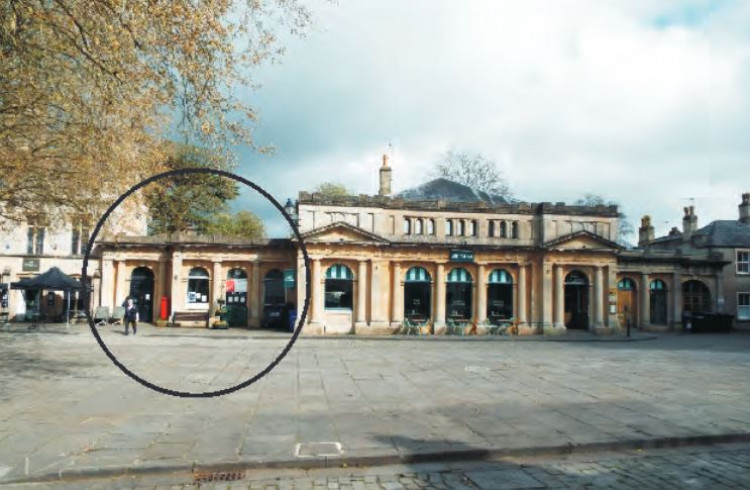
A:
x: 131, y: 313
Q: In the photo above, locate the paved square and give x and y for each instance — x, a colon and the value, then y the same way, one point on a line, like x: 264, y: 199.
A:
x: 66, y: 408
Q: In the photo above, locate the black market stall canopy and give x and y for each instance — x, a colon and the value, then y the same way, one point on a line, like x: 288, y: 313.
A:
x: 54, y: 279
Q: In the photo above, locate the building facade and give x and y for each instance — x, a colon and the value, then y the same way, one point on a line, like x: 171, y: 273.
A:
x: 439, y: 255
x: 724, y: 240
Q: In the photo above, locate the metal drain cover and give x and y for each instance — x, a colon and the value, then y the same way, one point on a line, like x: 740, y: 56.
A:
x: 317, y: 449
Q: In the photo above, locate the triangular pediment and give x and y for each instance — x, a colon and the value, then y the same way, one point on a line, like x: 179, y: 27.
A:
x: 341, y: 232
x: 582, y: 240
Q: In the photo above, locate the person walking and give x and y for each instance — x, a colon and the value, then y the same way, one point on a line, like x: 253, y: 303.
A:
x: 131, y: 316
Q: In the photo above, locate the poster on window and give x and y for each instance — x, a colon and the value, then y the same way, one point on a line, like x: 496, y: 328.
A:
x: 240, y: 285
x: 191, y: 296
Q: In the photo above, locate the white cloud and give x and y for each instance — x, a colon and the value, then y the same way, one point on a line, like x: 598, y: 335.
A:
x: 642, y: 102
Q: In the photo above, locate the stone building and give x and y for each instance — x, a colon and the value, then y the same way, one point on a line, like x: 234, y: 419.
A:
x: 440, y: 255
x: 727, y: 241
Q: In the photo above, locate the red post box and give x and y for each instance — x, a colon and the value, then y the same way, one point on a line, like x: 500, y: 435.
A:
x: 164, y: 310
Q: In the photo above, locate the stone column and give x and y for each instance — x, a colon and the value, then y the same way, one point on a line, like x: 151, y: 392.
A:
x: 378, y: 317
x: 317, y: 296
x: 177, y: 299
x: 122, y: 290
x: 481, y: 314
x: 548, y: 327
x: 361, y: 320
x: 216, y: 282
x: 559, y: 308
x: 599, y: 297
x: 397, y: 300
x: 440, y: 298
x: 521, y: 312
x: 107, y: 284
x: 302, y: 288
x: 159, y: 283
x: 676, y: 301
x: 254, y: 295
x: 645, y: 296
x: 719, y: 292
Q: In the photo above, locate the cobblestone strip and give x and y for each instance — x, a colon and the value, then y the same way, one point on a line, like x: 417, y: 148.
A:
x: 721, y: 467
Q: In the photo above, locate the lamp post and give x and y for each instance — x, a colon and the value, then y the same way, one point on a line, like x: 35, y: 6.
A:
x: 291, y: 210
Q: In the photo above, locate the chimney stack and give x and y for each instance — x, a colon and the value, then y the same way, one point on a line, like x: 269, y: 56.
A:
x: 745, y: 209
x: 689, y: 221
x: 385, y: 178
x: 645, y: 232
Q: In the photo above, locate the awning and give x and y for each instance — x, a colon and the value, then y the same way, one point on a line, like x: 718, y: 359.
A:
x: 53, y: 279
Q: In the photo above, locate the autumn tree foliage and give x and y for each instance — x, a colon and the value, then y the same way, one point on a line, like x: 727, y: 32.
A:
x: 90, y: 89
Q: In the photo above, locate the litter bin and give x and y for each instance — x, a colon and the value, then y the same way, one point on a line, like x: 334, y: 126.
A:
x: 292, y: 319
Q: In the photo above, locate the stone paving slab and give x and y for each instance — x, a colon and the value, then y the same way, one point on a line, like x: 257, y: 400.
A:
x: 65, y: 408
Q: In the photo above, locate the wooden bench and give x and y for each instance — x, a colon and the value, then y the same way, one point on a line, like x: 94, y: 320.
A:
x: 189, y: 319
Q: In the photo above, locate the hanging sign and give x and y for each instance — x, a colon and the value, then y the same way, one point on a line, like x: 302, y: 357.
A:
x: 289, y: 278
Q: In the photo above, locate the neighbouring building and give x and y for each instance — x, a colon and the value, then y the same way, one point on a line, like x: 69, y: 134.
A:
x: 726, y: 240
x: 437, y: 254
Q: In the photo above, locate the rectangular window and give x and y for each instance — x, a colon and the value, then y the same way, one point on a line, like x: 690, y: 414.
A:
x: 743, y: 262
x: 743, y: 306
x: 39, y: 250
x: 30, y: 240
x: 75, y: 239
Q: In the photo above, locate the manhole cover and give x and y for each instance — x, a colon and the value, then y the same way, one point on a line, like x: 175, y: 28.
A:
x: 317, y: 449
x: 476, y: 369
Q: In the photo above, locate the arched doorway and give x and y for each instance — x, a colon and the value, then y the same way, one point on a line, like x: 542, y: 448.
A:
x: 273, y: 299
x: 458, y: 295
x: 576, y: 300
x: 142, y: 292
x: 627, y: 302
x: 197, y: 288
x: 417, y: 294
x: 658, y: 302
x: 695, y: 297
x: 499, y: 296
x: 236, y: 296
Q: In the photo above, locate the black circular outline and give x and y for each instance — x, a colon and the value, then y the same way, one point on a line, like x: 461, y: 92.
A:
x: 301, y: 319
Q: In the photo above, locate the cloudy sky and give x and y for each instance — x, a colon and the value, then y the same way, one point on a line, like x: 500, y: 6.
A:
x: 643, y: 102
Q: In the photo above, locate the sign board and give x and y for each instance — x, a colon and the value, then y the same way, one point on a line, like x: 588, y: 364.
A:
x: 462, y: 256
x: 30, y: 265
x: 289, y: 278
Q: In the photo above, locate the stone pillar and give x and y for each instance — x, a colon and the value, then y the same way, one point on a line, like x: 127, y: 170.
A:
x: 599, y: 297
x: 254, y: 295
x: 397, y: 300
x: 121, y: 291
x: 302, y: 288
x: 520, y: 314
x: 378, y: 316
x: 548, y: 325
x: 676, y: 301
x: 559, y: 319
x: 317, y: 296
x: 481, y: 314
x: 178, y: 295
x: 216, y: 282
x: 439, y: 320
x: 159, y: 282
x: 361, y: 320
x: 719, y: 292
x: 645, y: 296
x: 107, y: 284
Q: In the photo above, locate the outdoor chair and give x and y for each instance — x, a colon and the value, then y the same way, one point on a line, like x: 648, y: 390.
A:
x: 118, y: 314
x: 410, y: 327
x: 501, y: 328
x: 101, y: 315
x: 455, y: 328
